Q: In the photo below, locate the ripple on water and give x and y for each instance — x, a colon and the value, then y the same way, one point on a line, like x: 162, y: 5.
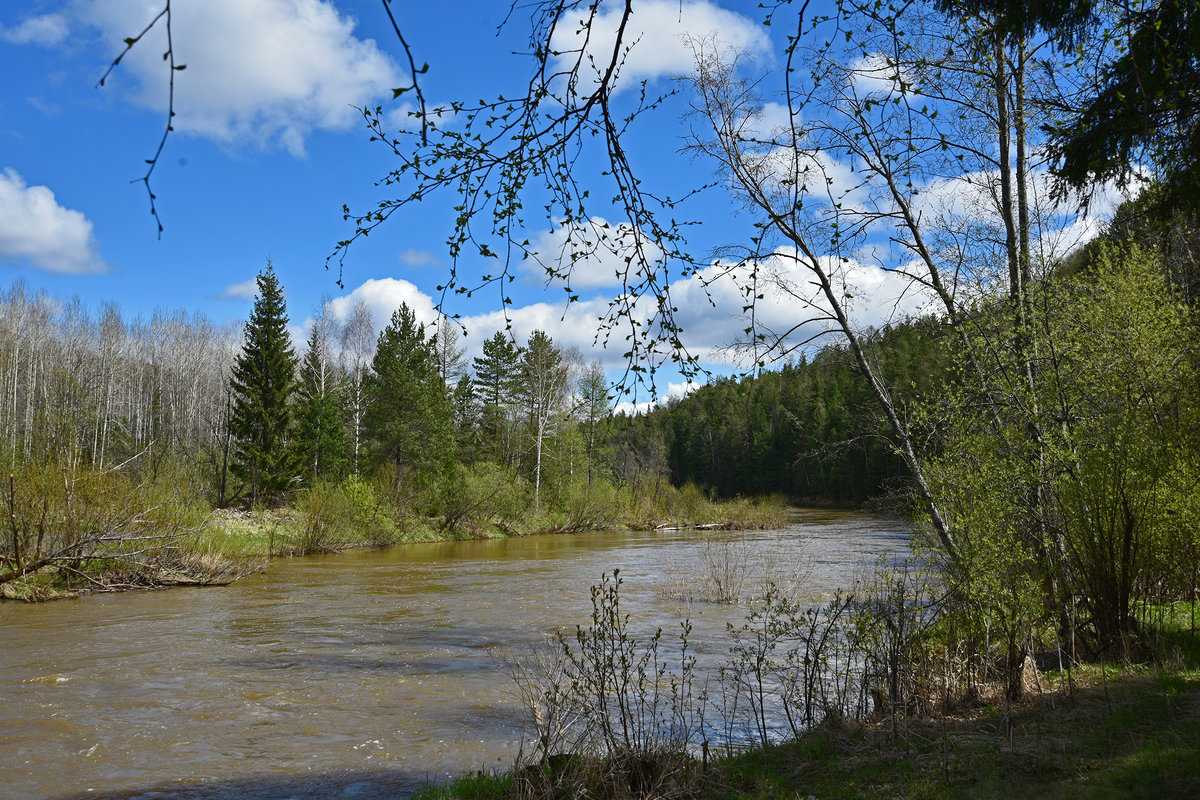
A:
x: 362, y: 675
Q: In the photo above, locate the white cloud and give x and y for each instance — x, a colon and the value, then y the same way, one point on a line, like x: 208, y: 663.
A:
x: 34, y: 226
x: 46, y: 30
x: 569, y: 326
x: 711, y: 305
x: 877, y: 74
x: 971, y: 199
x: 260, y: 71
x: 659, y: 31
x: 595, y: 256
x: 635, y: 409
x: 418, y: 258
x: 674, y: 391
x: 383, y: 296
x: 772, y: 122
x: 681, y: 389
x: 876, y: 297
x: 244, y: 290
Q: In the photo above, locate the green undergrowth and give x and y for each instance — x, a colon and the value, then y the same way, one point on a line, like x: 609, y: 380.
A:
x: 358, y: 514
x: 1099, y: 731
x: 1134, y: 735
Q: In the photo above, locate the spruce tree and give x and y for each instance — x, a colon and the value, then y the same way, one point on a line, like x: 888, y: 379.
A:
x: 320, y: 436
x: 263, y: 380
x: 408, y: 415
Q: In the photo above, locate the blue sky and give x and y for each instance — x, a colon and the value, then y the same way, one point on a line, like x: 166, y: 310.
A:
x: 268, y: 147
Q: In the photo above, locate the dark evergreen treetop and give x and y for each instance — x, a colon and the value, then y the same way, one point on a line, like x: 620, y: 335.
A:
x: 263, y: 380
x: 1146, y: 109
x: 498, y: 370
x: 1064, y: 21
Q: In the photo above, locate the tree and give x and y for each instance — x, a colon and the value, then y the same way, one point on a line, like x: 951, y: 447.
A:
x: 594, y: 406
x: 1113, y: 405
x: 263, y: 381
x: 408, y: 409
x: 320, y: 435
x: 448, y: 350
x: 466, y: 420
x: 497, y: 380
x: 543, y: 388
x: 358, y: 341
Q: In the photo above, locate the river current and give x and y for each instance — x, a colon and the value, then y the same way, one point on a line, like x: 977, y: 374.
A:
x: 358, y: 675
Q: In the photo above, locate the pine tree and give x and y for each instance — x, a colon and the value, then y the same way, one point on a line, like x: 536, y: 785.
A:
x: 408, y: 415
x: 466, y: 420
x: 263, y: 381
x: 593, y: 406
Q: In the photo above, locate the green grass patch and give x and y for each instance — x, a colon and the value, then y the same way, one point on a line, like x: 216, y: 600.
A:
x: 476, y: 786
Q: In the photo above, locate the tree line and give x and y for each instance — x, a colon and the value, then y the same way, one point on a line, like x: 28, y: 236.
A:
x: 251, y: 420
x: 409, y: 406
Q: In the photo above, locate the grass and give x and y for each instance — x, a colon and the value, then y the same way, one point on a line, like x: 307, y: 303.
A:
x: 290, y: 530
x: 1136, y: 736
x: 1108, y: 732
x: 475, y: 786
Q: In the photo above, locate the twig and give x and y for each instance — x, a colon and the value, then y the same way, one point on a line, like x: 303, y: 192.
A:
x: 169, y: 57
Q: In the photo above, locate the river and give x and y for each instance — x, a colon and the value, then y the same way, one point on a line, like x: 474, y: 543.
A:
x: 358, y: 675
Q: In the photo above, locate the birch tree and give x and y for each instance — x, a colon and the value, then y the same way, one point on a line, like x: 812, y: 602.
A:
x: 544, y: 382
x: 358, y: 345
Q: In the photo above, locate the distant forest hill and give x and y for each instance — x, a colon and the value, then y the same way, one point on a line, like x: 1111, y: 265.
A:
x: 810, y: 430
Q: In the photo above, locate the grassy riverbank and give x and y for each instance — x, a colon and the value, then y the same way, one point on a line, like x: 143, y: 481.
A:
x: 110, y: 537
x: 1131, y: 731
x: 332, y: 521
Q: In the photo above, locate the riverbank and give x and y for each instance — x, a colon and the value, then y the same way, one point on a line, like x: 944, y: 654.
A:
x: 291, y: 531
x: 1131, y: 732
x: 192, y: 545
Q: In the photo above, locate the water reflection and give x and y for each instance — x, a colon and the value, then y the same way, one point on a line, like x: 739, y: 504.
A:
x: 357, y: 675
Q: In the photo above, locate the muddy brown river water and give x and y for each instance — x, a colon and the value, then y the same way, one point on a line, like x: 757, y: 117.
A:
x: 359, y: 675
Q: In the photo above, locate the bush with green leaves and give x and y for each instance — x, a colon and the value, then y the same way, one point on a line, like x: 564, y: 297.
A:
x: 1062, y: 458
x: 483, y: 495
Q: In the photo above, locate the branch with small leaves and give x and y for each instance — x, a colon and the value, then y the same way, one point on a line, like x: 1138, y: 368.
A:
x: 172, y: 68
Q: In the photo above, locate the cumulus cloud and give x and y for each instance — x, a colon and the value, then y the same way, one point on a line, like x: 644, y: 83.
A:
x: 589, y: 256
x: 971, y: 200
x: 681, y: 389
x: 383, y: 296
x: 660, y: 31
x: 267, y: 72
x: 710, y: 311
x: 790, y: 310
x: 34, y: 226
x: 573, y: 325
x: 46, y: 30
x: 243, y: 290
